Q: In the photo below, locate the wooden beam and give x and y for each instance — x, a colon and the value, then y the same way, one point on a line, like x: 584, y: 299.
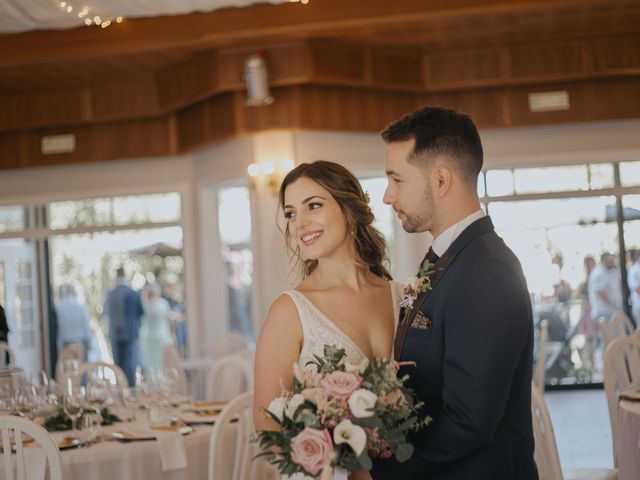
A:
x: 257, y: 23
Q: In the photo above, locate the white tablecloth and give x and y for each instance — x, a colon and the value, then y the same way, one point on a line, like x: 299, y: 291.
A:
x: 629, y: 440
x: 138, y: 460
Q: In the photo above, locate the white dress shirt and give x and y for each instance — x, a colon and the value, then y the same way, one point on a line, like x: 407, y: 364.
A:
x: 443, y: 241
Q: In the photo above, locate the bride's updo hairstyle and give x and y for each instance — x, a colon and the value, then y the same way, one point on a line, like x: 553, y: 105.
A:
x: 368, y: 242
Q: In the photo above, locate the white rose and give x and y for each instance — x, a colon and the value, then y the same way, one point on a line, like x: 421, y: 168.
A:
x: 276, y: 407
x: 293, y: 404
x: 352, y: 435
x: 361, y: 403
x: 357, y: 368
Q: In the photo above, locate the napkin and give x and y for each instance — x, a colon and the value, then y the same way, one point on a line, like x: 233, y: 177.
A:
x: 172, y: 451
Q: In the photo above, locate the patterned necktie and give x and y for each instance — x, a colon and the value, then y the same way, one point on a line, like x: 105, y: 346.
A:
x: 432, y: 256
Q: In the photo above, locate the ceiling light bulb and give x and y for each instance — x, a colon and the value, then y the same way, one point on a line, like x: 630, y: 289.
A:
x: 96, y: 19
x: 63, y: 4
x: 87, y: 21
x: 119, y: 19
x: 69, y: 9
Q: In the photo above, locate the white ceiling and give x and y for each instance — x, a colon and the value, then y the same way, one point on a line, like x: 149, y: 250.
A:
x: 23, y: 15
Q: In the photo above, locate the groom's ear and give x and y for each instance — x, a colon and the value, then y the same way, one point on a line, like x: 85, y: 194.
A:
x: 442, y: 179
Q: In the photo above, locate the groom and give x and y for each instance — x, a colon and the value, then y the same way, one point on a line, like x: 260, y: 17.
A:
x: 471, y: 335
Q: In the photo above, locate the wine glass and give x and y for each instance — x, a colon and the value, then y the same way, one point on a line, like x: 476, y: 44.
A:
x: 73, y: 403
x: 25, y: 401
x: 97, y: 396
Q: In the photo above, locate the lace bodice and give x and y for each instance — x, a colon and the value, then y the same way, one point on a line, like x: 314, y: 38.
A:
x: 318, y: 330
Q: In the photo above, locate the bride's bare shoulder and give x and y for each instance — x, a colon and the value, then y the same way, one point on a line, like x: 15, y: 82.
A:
x: 282, y: 310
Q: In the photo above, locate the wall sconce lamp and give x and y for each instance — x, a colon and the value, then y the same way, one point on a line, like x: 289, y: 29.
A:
x: 268, y: 174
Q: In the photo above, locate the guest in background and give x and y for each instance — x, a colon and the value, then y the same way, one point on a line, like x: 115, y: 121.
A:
x: 123, y: 308
x: 73, y: 319
x: 4, y: 331
x: 633, y: 279
x: 154, y: 332
x: 605, y: 293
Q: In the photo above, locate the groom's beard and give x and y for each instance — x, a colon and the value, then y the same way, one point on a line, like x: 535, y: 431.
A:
x: 424, y: 217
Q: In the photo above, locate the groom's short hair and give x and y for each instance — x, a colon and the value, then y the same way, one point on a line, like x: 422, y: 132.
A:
x: 440, y: 131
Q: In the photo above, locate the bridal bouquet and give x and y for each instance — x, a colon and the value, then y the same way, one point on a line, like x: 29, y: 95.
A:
x: 339, y: 416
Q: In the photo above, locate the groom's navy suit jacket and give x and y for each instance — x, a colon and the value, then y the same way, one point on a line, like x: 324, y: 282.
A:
x: 473, y: 368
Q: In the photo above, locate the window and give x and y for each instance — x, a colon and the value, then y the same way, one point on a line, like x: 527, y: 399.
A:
x: 12, y: 219
x: 234, y: 225
x: 123, y: 210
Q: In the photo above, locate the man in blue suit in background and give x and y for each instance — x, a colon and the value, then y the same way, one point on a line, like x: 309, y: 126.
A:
x: 123, y: 307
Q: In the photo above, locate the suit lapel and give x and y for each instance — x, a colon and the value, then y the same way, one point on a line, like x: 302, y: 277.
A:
x: 477, y: 228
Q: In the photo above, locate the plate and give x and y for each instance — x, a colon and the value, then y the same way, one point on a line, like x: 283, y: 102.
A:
x: 131, y: 435
x: 207, y: 408
x: 198, y: 417
x: 68, y: 442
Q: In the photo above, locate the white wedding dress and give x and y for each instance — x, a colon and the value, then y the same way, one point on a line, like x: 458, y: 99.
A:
x: 318, y: 330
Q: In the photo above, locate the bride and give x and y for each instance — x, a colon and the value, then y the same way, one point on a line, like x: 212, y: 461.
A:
x: 346, y: 297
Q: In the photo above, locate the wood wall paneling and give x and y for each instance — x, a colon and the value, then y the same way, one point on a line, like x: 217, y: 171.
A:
x: 486, y: 105
x: 538, y: 62
x: 124, y: 100
x: 616, y: 55
x: 286, y: 63
x: 520, y: 114
x: 39, y: 109
x: 277, y: 115
x: 187, y: 82
x: 396, y: 70
x: 205, y: 122
x: 614, y: 98
x: 338, y: 63
x: 463, y: 69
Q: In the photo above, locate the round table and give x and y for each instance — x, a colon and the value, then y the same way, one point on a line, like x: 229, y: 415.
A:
x: 628, y: 442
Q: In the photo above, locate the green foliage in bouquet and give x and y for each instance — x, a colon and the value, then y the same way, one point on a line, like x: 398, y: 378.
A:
x: 358, y: 412
x: 61, y: 422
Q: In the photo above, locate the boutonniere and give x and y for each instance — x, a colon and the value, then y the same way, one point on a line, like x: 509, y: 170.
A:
x: 415, y: 286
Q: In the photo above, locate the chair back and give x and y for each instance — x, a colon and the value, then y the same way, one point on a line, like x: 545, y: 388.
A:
x: 75, y: 351
x: 171, y: 359
x: 230, y: 376
x: 621, y: 374
x: 19, y: 426
x: 231, y: 453
x: 7, y: 351
x: 113, y: 373
x: 620, y: 325
x: 539, y: 370
x: 232, y: 343
x: 546, y: 452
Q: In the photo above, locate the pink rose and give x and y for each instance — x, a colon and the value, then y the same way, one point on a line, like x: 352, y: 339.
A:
x: 312, y: 449
x: 341, y: 384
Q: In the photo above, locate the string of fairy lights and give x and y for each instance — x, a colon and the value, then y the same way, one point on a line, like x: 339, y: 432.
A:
x: 90, y: 17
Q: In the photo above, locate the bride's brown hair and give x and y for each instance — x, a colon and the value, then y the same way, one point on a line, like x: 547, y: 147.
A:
x: 368, y: 242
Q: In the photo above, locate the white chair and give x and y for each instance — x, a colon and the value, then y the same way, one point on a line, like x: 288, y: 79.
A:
x: 621, y: 374
x: 171, y: 359
x: 75, y: 351
x: 539, y: 370
x: 231, y: 453
x: 232, y: 343
x: 619, y: 326
x: 230, y: 376
x: 546, y: 450
x: 6, y: 350
x: 19, y: 426
x: 115, y: 372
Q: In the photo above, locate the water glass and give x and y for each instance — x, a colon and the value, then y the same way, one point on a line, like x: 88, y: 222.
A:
x: 73, y: 403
